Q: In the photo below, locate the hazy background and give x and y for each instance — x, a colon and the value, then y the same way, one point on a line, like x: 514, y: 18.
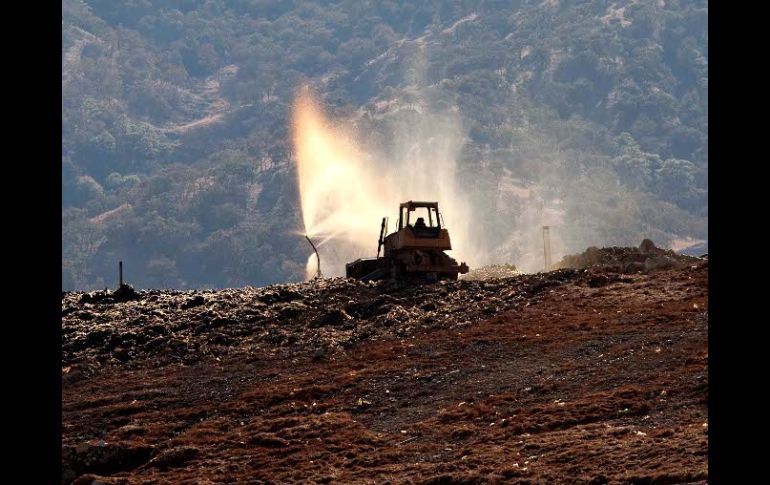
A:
x: 591, y: 117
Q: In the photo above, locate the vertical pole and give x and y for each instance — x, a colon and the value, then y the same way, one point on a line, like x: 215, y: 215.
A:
x: 120, y: 270
x: 382, y: 235
x: 547, y: 247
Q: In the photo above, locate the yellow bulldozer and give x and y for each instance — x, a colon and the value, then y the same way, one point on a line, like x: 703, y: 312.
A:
x: 414, y: 252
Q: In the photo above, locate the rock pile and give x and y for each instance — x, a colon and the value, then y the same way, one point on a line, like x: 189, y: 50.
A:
x: 627, y: 260
x: 152, y: 328
x: 494, y: 271
x: 321, y: 317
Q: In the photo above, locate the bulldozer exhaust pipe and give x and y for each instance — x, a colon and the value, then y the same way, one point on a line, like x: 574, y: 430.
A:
x: 381, y: 240
x: 317, y: 257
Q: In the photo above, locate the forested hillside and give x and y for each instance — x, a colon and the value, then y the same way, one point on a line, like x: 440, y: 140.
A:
x: 176, y: 151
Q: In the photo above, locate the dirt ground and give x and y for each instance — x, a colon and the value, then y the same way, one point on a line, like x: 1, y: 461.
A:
x: 569, y: 377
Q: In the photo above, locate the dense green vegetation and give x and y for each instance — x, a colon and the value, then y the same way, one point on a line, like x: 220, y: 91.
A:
x: 601, y: 105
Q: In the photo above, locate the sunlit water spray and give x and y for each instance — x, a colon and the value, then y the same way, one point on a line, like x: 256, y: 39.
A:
x: 346, y: 187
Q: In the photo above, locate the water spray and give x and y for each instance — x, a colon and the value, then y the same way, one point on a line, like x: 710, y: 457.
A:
x: 348, y: 180
x: 318, y: 258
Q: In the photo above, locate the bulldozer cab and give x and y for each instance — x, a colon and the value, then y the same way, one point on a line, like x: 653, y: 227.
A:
x: 422, y: 219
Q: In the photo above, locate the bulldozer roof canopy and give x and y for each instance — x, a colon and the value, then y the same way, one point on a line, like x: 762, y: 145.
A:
x: 411, y: 205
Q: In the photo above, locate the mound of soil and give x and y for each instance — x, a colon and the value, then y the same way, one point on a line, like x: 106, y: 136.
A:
x: 494, y: 271
x: 627, y: 260
x: 570, y: 376
x: 159, y: 327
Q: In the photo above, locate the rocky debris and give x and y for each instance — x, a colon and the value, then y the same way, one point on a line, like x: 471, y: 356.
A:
x: 601, y: 279
x: 334, y: 318
x: 122, y: 294
x: 125, y: 293
x: 197, y: 300
x: 495, y: 271
x: 173, y: 326
x: 164, y: 326
x: 647, y: 247
x: 627, y: 260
